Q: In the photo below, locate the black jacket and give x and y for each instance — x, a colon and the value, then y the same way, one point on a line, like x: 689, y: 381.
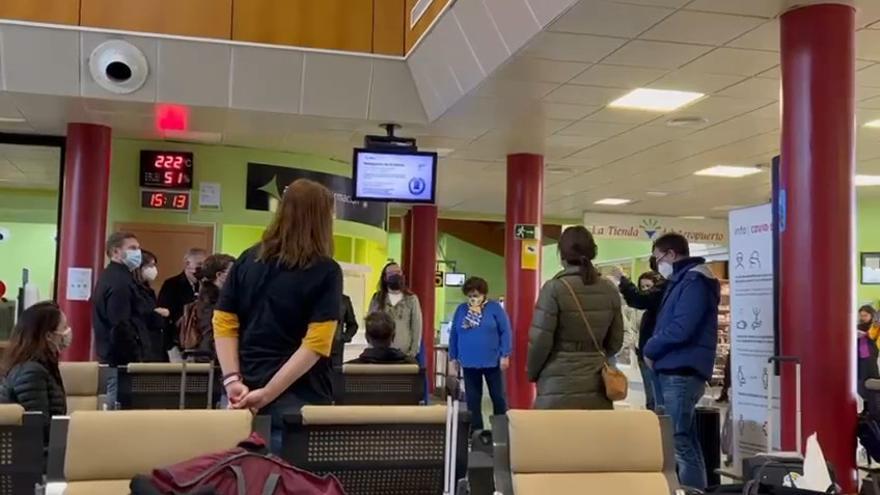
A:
x: 36, y: 387
x: 117, y: 328
x: 382, y: 355
x: 649, y: 301
x: 345, y: 330
x: 152, y: 324
x: 176, y: 292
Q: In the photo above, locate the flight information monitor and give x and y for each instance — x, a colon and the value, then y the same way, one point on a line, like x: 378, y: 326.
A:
x: 395, y: 176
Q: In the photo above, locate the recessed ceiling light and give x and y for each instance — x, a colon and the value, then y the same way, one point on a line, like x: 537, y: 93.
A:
x: 12, y: 120
x: 687, y: 121
x: 867, y: 180
x: 559, y: 170
x: 728, y: 171
x: 693, y: 217
x: 657, y: 194
x: 726, y: 207
x: 612, y: 202
x: 873, y: 123
x: 655, y: 100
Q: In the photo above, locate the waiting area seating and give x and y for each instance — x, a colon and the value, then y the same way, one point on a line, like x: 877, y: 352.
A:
x: 21, y: 450
x: 158, y: 386
x: 385, y: 384
x: 104, y: 450
x: 392, y: 450
x: 607, y: 452
x: 82, y: 383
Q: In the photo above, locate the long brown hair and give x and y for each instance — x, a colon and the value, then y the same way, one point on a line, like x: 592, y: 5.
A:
x: 578, y: 248
x: 213, y: 266
x: 302, y: 230
x: 30, y: 339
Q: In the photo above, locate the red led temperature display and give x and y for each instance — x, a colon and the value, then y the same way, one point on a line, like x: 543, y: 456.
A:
x: 158, y: 200
x: 166, y: 169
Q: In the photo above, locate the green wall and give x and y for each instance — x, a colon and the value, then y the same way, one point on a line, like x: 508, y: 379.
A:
x: 28, y: 206
x: 32, y: 246
x: 868, y: 240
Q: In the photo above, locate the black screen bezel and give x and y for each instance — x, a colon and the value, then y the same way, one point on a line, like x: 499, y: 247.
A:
x: 354, y: 177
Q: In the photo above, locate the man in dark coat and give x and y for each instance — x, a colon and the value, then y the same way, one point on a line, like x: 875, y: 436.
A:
x: 180, y: 290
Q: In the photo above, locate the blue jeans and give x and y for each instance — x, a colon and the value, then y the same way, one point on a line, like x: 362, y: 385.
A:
x: 677, y: 396
x: 648, y: 379
x: 473, y: 393
x: 285, y: 404
x: 112, y: 389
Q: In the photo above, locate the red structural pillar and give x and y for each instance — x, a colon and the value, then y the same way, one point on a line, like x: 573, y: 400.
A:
x: 406, y: 243
x: 423, y: 263
x: 816, y: 228
x: 83, y: 224
x: 525, y: 190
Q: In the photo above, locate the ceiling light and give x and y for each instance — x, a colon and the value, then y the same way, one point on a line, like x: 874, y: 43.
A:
x: 692, y: 217
x: 655, y: 100
x: 867, y: 180
x: 687, y: 121
x: 728, y: 171
x: 726, y: 207
x: 12, y: 120
x: 559, y: 170
x: 612, y: 202
x: 657, y: 194
x: 873, y: 123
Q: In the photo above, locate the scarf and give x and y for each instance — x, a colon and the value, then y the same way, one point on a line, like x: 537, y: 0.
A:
x: 474, y: 316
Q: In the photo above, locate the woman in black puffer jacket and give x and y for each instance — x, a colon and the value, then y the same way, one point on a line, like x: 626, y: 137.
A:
x: 30, y: 363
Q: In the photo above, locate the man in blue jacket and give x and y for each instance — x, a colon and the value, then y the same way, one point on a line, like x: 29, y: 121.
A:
x: 682, y: 349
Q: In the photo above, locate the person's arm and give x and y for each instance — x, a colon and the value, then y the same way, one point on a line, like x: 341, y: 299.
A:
x: 614, y: 338
x: 543, y: 331
x: 31, y: 388
x: 415, y: 325
x: 453, y: 333
x: 351, y: 324
x: 638, y: 299
x: 684, y: 324
x: 226, y: 329
x: 317, y: 343
x: 504, y: 334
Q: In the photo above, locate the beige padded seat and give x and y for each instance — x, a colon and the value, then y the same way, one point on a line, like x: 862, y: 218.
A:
x: 106, y: 449
x: 607, y: 452
x: 11, y: 414
x: 81, y: 384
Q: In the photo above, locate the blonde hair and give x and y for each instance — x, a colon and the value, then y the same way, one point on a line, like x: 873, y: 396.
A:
x: 302, y: 230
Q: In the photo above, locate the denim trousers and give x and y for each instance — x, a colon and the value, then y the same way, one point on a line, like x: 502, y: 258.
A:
x: 677, y: 396
x: 648, y: 379
x: 112, y: 393
x: 473, y: 393
x: 285, y: 404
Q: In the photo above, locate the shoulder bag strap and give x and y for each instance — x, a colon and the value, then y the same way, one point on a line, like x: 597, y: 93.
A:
x: 577, y: 302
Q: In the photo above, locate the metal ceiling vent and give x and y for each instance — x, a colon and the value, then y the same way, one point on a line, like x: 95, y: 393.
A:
x: 118, y: 66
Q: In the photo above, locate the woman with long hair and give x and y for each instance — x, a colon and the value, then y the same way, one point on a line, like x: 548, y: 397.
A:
x: 395, y: 298
x: 153, y: 318
x: 563, y: 357
x: 197, y: 330
x: 276, y: 317
x: 30, y: 363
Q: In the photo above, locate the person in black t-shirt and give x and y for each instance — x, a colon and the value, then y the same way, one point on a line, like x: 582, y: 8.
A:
x: 380, y: 335
x: 277, y: 314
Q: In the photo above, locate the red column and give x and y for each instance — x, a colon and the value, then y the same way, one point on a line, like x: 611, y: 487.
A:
x: 406, y: 242
x: 83, y: 224
x: 525, y: 176
x: 423, y: 261
x: 817, y: 249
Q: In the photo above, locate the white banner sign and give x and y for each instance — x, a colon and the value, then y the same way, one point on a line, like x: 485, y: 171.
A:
x: 752, y: 317
x: 648, y: 228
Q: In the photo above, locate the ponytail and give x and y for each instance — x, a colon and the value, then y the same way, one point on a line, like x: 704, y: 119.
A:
x: 588, y: 272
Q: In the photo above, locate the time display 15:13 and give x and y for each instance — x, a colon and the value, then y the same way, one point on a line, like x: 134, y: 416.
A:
x: 158, y: 200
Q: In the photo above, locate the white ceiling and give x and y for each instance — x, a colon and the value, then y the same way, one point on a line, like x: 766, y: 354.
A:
x: 551, y: 97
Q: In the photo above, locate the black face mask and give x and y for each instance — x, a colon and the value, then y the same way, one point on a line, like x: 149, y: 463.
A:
x: 395, y: 282
x: 864, y: 327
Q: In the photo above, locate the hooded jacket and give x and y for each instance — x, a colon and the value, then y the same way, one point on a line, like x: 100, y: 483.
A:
x: 686, y: 333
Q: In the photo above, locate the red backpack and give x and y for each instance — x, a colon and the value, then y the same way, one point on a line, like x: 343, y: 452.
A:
x: 244, y: 470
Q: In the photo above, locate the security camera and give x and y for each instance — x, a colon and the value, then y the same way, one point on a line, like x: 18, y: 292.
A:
x: 118, y: 66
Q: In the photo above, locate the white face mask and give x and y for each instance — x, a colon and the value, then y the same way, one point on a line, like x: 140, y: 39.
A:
x: 475, y: 300
x: 63, y: 339
x: 665, y: 268
x: 150, y: 273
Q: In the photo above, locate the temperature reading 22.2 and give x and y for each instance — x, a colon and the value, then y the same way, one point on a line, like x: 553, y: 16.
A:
x: 166, y: 169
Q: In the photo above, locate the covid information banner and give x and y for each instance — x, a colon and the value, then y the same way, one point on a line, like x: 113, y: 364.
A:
x: 752, y: 330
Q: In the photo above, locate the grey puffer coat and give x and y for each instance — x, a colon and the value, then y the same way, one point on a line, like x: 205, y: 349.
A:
x: 562, y: 357
x: 36, y: 387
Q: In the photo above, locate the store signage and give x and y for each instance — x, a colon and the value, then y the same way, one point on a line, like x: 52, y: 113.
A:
x: 752, y: 330
x: 266, y: 184
x: 649, y: 228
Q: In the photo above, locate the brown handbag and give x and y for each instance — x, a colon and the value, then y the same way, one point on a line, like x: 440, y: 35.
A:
x: 616, y: 383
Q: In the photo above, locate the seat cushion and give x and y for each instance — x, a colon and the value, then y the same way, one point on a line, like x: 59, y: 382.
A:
x: 606, y: 484
x: 110, y: 445
x: 566, y: 441
x: 82, y: 403
x: 106, y: 487
x: 11, y: 414
x: 80, y: 378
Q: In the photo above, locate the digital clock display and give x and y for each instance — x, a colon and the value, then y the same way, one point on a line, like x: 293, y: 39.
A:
x: 160, y: 200
x: 166, y: 169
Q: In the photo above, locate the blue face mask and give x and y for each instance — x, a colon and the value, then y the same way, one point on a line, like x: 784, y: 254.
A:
x: 132, y: 258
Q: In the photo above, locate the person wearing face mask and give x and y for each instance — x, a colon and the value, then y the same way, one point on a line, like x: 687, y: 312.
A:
x: 682, y: 349
x: 180, y: 290
x: 394, y: 298
x: 31, y: 377
x: 479, y: 342
x: 117, y: 329
x: 153, y: 319
x: 646, y: 296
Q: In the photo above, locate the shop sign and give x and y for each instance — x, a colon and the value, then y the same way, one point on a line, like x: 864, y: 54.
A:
x: 266, y: 183
x: 649, y: 228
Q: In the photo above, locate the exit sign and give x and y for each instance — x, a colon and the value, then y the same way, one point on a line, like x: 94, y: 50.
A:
x: 525, y: 231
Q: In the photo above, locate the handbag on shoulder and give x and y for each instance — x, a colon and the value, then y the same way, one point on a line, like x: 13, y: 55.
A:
x: 616, y: 383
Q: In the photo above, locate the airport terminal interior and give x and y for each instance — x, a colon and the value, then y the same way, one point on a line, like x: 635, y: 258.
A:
x: 418, y: 247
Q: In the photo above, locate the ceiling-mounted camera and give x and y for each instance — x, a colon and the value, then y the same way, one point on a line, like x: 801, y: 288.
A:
x: 118, y: 66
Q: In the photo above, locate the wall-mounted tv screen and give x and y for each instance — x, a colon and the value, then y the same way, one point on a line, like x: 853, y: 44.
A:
x: 395, y: 176
x: 455, y: 279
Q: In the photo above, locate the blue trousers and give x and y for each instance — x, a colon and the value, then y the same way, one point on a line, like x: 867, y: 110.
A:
x: 285, y: 404
x: 648, y: 379
x: 677, y: 396
x: 473, y: 393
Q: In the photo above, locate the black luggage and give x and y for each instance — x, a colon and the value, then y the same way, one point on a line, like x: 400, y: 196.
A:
x: 709, y: 431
